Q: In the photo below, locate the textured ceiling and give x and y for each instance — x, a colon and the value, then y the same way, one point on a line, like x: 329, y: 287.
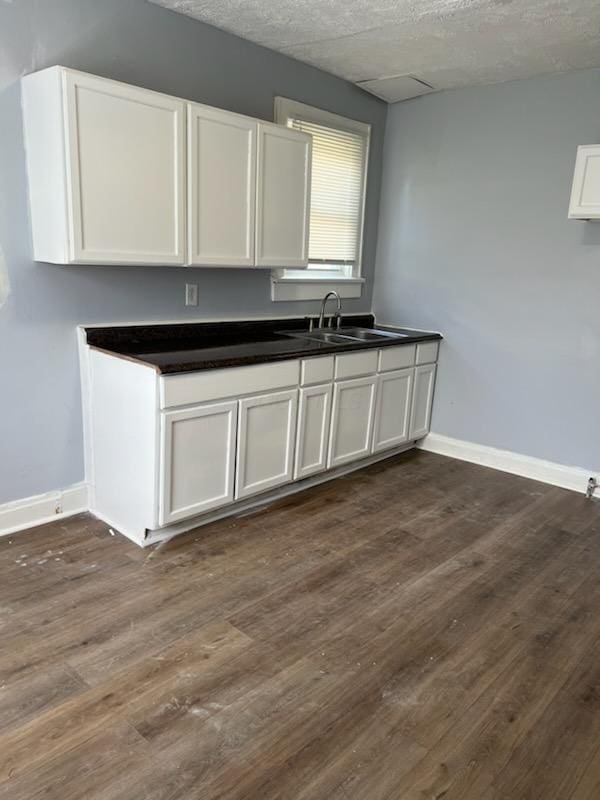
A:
x: 445, y: 43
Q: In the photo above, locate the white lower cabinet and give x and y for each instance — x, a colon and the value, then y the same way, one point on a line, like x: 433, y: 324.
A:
x: 314, y: 415
x: 352, y: 420
x: 393, y: 409
x: 266, y: 437
x: 420, y: 417
x: 170, y: 448
x: 197, y: 460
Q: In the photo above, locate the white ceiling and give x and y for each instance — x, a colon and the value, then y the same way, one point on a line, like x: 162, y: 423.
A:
x: 445, y: 43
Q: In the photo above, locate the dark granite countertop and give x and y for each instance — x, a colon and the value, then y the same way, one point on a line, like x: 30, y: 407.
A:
x: 190, y: 347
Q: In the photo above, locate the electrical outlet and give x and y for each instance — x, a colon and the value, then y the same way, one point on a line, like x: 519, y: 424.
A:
x: 191, y: 294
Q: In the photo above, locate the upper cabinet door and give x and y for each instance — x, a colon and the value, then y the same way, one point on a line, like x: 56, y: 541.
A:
x: 585, y: 193
x: 221, y: 187
x: 283, y: 197
x: 125, y: 162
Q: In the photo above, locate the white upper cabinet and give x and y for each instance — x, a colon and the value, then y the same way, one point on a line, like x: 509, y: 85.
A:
x: 106, y: 164
x: 283, y: 197
x: 111, y: 180
x: 221, y: 187
x: 585, y: 193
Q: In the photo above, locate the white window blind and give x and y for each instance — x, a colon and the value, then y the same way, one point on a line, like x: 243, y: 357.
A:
x: 337, y: 191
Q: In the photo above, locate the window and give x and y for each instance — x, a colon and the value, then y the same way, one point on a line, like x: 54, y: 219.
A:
x: 340, y: 148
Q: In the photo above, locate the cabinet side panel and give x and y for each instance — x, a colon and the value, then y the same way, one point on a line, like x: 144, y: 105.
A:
x: 43, y: 131
x: 124, y: 442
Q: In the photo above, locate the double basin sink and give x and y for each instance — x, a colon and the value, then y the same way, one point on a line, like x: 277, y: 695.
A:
x: 346, y: 335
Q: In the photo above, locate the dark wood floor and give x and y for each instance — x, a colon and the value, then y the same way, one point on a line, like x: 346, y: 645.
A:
x: 423, y: 629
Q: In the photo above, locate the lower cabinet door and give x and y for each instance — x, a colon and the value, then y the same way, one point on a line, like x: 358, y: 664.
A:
x: 392, y: 412
x: 266, y: 437
x: 314, y: 416
x: 420, y: 417
x: 197, y: 460
x: 352, y: 420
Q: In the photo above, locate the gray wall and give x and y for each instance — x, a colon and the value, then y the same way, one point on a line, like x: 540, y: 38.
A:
x: 474, y: 242
x: 133, y: 41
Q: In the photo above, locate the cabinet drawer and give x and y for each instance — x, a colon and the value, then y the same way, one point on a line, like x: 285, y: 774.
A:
x: 353, y: 365
x: 214, y: 384
x: 316, y: 370
x: 397, y: 357
x: 427, y: 352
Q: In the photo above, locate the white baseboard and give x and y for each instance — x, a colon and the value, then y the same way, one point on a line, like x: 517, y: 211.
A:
x: 537, y: 469
x: 32, y: 511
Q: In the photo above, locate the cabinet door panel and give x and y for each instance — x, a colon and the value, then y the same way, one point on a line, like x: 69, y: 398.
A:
x: 283, y: 197
x: 267, y: 431
x: 585, y: 192
x: 221, y: 187
x: 422, y: 401
x: 197, y: 460
x: 352, y: 420
x: 314, y: 418
x: 126, y: 162
x: 392, y: 415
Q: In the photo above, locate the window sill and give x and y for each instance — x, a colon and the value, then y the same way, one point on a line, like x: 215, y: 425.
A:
x: 309, y: 288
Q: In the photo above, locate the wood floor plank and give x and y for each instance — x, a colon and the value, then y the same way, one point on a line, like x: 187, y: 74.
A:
x: 154, y: 686
x: 422, y: 629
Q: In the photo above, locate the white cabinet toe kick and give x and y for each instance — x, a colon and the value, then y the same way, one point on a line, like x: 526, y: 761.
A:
x: 166, y: 453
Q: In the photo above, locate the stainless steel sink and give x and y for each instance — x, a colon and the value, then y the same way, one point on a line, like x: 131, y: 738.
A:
x: 321, y: 336
x: 370, y: 334
x: 345, y: 335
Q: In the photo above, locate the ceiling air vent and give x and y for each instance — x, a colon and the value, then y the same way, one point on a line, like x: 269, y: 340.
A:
x: 396, y: 88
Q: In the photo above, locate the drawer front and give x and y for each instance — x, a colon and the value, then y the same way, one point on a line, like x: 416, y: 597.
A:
x: 427, y: 352
x: 316, y: 370
x: 397, y: 357
x: 216, y: 384
x: 354, y: 365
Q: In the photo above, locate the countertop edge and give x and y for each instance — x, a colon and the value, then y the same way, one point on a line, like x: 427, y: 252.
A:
x: 258, y: 358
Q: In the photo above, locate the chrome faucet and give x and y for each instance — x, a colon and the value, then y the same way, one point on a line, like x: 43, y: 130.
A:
x: 337, y: 314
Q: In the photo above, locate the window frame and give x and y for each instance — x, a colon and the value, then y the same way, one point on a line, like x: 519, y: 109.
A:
x: 350, y: 285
